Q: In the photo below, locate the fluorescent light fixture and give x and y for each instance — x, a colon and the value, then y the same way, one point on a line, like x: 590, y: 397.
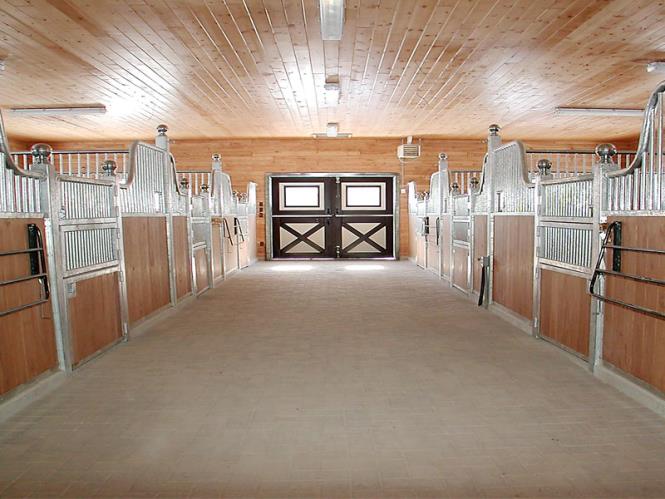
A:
x: 656, y: 67
x: 331, y: 92
x: 332, y: 19
x: 56, y: 111
x: 598, y: 111
x: 332, y: 129
x: 332, y: 132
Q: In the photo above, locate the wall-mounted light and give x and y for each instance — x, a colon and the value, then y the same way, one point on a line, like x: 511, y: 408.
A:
x: 656, y: 67
x: 332, y: 132
x: 56, y: 111
x: 598, y: 111
x: 332, y: 19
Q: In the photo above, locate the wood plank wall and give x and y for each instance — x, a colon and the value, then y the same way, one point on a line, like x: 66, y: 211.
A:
x: 565, y: 308
x: 460, y: 267
x: 634, y: 342
x: 146, y: 263
x: 27, y: 338
x: 250, y: 159
x: 94, y: 316
x: 512, y: 284
x: 183, y: 264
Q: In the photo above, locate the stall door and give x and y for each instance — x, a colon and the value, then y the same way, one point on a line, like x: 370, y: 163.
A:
x: 332, y: 217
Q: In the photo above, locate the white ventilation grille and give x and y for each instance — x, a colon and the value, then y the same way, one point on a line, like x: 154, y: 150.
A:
x: 408, y: 151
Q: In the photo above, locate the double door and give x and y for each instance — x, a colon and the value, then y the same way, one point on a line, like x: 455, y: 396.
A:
x: 332, y: 216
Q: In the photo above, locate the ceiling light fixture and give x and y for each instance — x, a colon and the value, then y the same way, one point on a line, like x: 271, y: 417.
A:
x: 598, y: 111
x: 332, y: 132
x: 332, y: 19
x: 656, y: 67
x: 55, y: 111
x: 331, y: 92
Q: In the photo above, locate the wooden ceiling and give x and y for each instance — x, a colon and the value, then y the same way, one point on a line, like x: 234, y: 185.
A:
x: 216, y: 68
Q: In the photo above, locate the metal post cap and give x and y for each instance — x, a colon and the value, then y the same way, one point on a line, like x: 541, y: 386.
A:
x: 494, y: 129
x: 216, y: 157
x: 109, y: 166
x: 184, y: 182
x: 443, y: 155
x: 162, y: 129
x: 41, y: 150
x: 544, y: 165
x: 204, y: 187
x: 474, y: 181
x: 606, y: 152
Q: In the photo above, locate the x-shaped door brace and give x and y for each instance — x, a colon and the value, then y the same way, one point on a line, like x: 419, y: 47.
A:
x: 302, y: 238
x: 364, y: 237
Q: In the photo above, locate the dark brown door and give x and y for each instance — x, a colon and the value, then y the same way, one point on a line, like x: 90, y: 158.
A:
x: 332, y: 217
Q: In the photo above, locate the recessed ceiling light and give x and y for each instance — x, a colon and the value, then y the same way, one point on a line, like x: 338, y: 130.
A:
x: 332, y: 19
x: 55, y: 111
x: 598, y: 111
x: 331, y: 91
x: 656, y: 67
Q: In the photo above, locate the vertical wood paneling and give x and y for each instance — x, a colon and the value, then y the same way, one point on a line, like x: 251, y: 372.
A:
x: 479, y: 248
x: 512, y: 284
x: 27, y: 339
x: 201, y: 263
x: 94, y: 315
x: 634, y: 342
x: 146, y: 263
x: 217, y: 265
x: 565, y: 308
x: 461, y: 267
x: 181, y: 253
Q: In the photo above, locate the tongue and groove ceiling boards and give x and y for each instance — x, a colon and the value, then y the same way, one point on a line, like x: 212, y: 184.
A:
x: 217, y: 68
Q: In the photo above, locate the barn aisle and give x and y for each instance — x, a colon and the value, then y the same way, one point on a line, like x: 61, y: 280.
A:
x: 332, y: 380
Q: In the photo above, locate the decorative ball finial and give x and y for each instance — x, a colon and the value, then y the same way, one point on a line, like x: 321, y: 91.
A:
x: 443, y: 155
x: 455, y: 188
x: 41, y: 152
x: 204, y: 187
x: 474, y: 182
x: 544, y: 166
x: 494, y: 129
x: 216, y: 157
x: 606, y: 152
x: 109, y: 167
x: 162, y: 129
x: 184, y: 182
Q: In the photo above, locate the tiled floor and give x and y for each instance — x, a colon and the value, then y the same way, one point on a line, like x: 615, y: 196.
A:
x: 317, y: 381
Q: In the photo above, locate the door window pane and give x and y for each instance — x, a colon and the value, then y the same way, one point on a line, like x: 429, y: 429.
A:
x: 301, y: 196
x: 363, y: 196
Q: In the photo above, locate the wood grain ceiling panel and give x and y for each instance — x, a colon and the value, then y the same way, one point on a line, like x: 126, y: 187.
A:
x: 224, y: 68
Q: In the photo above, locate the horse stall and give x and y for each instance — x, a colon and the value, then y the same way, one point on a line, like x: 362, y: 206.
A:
x: 156, y: 230
x: 511, y: 233
x: 246, y: 226
x: 28, y: 347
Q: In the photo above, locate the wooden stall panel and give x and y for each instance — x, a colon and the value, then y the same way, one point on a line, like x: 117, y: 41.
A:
x: 565, y: 308
x: 461, y: 267
x: 230, y: 247
x: 634, y: 342
x: 479, y: 247
x: 217, y: 254
x: 512, y: 284
x: 446, y: 254
x: 183, y: 266
x: 147, y: 266
x: 432, y: 246
x: 94, y: 316
x: 27, y: 338
x: 201, y: 264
